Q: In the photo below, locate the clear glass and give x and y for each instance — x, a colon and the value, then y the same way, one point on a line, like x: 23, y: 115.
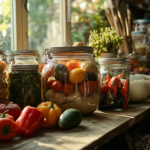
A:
x: 140, y: 42
x: 25, y: 87
x: 44, y: 24
x: 114, y: 84
x: 72, y: 81
x: 3, y: 89
x: 5, y: 25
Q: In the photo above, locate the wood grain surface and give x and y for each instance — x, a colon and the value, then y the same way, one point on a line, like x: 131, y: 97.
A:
x: 94, y: 130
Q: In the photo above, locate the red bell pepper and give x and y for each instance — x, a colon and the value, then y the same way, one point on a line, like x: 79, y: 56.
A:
x: 29, y: 121
x: 8, y: 128
x: 124, y: 93
x: 107, y: 78
x: 113, y: 84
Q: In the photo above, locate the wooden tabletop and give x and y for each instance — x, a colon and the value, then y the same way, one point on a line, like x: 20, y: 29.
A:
x: 93, y: 131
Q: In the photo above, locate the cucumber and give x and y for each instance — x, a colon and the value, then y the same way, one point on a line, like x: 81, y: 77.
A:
x: 70, y: 118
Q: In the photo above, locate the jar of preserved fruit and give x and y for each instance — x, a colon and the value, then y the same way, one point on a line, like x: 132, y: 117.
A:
x: 114, y: 83
x: 3, y: 88
x: 24, y: 85
x: 71, y: 79
x: 4, y: 65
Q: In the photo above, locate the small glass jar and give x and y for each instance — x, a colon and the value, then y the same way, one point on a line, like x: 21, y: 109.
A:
x: 140, y: 41
x: 24, y: 85
x: 71, y: 79
x: 3, y: 89
x: 4, y: 65
x: 114, y: 83
x: 25, y: 57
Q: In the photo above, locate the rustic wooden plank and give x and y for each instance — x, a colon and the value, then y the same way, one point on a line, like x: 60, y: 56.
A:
x: 89, y: 132
x: 94, y: 131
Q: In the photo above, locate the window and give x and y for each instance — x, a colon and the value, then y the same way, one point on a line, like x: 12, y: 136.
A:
x: 5, y: 25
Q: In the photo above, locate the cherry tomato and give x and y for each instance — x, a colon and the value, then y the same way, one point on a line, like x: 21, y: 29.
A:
x: 72, y: 65
x: 57, y: 86
x: 88, y: 87
x: 47, y: 75
x: 50, y: 82
x: 68, y: 88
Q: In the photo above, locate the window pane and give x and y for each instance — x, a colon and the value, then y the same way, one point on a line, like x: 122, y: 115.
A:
x: 5, y: 25
x: 44, y: 24
x: 86, y: 15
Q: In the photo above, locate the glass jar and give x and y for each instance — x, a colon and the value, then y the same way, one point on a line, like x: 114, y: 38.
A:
x: 71, y: 79
x: 3, y: 89
x: 24, y: 85
x: 25, y: 57
x: 114, y: 83
x: 140, y: 41
x: 4, y: 65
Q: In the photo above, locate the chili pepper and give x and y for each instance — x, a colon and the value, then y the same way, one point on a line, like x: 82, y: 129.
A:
x: 107, y: 78
x: 114, y: 85
x: 126, y: 83
x: 8, y: 128
x: 29, y: 121
x: 120, y: 76
x: 105, y: 89
x: 124, y: 93
x: 51, y: 113
x: 120, y: 84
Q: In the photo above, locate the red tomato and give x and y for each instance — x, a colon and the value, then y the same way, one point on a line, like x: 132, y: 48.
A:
x: 47, y: 75
x: 14, y: 109
x: 57, y: 86
x: 68, y: 88
x: 88, y: 87
x: 50, y: 82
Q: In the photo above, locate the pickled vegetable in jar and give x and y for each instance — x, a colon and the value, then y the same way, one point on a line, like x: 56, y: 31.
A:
x: 71, y: 79
x: 3, y: 88
x: 24, y: 85
x: 4, y: 65
x: 114, y: 83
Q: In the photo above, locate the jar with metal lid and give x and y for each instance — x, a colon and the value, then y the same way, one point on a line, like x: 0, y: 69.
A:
x: 114, y: 83
x: 25, y: 57
x: 4, y: 65
x: 71, y: 79
x: 24, y: 85
x: 3, y: 88
x: 140, y: 41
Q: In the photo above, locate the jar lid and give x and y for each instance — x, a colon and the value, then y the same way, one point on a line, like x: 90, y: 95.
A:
x: 111, y: 60
x: 29, y: 52
x: 24, y: 67
x: 72, y: 49
x: 127, y: 55
x: 142, y: 21
x: 138, y: 32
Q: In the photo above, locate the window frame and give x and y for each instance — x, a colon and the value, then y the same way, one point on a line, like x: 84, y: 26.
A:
x: 20, y: 25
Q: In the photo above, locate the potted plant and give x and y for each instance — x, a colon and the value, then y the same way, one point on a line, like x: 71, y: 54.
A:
x: 105, y: 41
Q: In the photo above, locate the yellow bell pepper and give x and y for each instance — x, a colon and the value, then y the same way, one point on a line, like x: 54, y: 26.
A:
x: 51, y: 113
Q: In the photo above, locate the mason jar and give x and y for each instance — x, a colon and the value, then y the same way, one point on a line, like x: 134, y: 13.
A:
x: 114, y: 83
x: 3, y: 88
x: 24, y: 85
x: 4, y: 65
x: 71, y: 79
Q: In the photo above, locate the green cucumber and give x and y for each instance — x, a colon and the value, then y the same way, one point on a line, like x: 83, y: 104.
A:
x: 70, y: 118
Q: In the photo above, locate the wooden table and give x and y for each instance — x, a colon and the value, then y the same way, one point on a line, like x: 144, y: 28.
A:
x: 93, y: 131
